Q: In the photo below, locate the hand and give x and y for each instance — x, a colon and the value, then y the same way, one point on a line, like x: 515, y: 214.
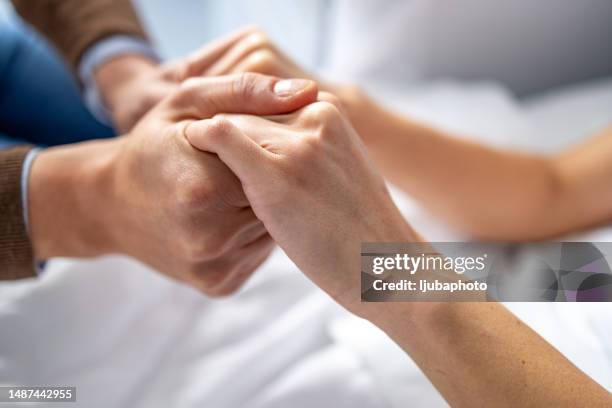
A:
x: 309, y: 180
x: 132, y: 84
x: 254, y: 51
x: 153, y: 196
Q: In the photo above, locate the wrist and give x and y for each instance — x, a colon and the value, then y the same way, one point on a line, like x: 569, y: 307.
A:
x: 389, y: 228
x: 70, y: 192
x: 115, y: 77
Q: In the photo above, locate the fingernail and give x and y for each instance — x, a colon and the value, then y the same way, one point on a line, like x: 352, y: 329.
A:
x: 289, y: 87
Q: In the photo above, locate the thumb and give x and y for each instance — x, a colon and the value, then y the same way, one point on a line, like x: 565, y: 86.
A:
x: 240, y: 153
x: 244, y: 93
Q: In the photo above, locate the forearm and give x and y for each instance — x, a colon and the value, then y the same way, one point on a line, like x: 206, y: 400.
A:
x: 585, y: 174
x: 480, y: 354
x: 475, y: 354
x: 487, y: 193
x: 70, y: 196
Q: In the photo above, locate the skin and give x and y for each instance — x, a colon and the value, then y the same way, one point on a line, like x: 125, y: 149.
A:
x: 520, y: 197
x: 309, y: 180
x: 151, y: 195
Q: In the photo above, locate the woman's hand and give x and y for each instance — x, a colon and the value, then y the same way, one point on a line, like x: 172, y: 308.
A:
x: 254, y: 51
x: 309, y: 180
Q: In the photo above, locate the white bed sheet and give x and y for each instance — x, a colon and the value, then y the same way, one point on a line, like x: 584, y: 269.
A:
x: 127, y: 337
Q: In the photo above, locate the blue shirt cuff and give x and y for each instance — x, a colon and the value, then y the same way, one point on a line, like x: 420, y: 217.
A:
x: 101, y: 52
x: 25, y: 177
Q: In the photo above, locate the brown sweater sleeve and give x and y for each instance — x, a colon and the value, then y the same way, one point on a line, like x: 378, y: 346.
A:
x: 16, y: 258
x: 74, y: 25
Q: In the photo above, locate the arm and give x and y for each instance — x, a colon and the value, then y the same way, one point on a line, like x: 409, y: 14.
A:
x: 491, y: 194
x: 309, y: 179
x: 488, y: 193
x: 481, y: 352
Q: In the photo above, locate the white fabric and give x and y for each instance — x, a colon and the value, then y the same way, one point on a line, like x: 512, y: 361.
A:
x: 127, y: 337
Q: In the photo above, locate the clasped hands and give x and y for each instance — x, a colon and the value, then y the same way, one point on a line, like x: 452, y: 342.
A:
x: 216, y: 171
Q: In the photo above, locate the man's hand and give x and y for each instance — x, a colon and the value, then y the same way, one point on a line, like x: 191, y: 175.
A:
x: 132, y: 84
x: 151, y: 195
x: 309, y: 180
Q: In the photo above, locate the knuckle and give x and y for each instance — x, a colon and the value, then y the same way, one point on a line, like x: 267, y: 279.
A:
x: 187, y: 91
x: 259, y: 39
x: 193, y: 251
x: 219, y: 277
x: 196, y: 247
x: 223, y: 290
x: 190, y: 85
x: 206, y: 278
x: 217, y: 246
x: 261, y: 60
x: 244, y: 87
x: 321, y: 114
x: 330, y: 98
x: 190, y: 193
x: 218, y: 128
x: 185, y: 246
x: 326, y: 111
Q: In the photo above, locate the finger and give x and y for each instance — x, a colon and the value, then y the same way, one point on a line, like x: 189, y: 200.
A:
x: 333, y: 99
x: 289, y: 118
x: 236, y: 229
x: 250, y: 93
x: 240, y: 153
x: 236, y: 53
x: 246, y: 233
x: 263, y: 62
x: 226, y: 275
x: 253, y: 255
x: 263, y: 131
x: 200, y: 60
x: 328, y: 97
